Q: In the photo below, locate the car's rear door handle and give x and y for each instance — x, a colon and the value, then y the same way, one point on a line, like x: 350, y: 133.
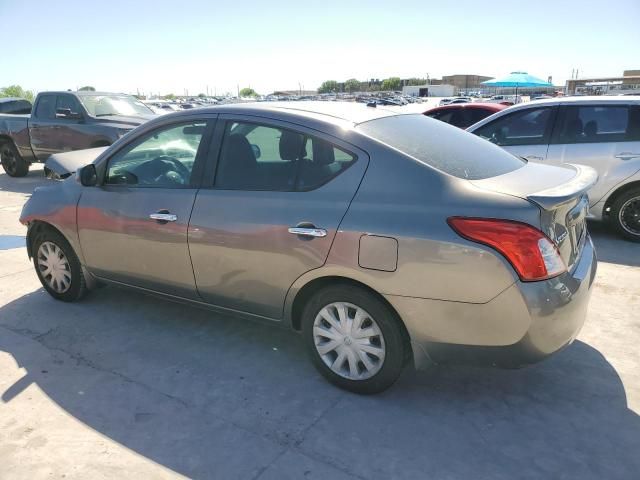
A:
x: 627, y: 155
x: 163, y: 217
x: 308, y: 231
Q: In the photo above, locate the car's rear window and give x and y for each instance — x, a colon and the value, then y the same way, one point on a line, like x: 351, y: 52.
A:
x: 442, y: 146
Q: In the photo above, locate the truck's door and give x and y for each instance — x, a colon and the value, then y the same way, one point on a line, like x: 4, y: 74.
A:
x: 58, y: 124
x: 42, y: 127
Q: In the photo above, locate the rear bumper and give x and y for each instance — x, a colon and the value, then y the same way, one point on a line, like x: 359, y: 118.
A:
x: 524, y: 324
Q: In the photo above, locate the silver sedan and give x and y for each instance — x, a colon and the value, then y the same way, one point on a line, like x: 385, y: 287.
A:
x: 384, y: 238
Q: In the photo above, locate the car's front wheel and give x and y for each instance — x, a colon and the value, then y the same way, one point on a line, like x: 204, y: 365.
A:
x: 355, y: 339
x: 57, y: 266
x: 625, y: 214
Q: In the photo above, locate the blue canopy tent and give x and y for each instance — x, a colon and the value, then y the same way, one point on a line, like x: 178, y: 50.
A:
x: 517, y: 80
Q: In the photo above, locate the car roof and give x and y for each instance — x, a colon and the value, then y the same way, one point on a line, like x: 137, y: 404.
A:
x: 331, y: 112
x: 12, y: 99
x: 82, y: 93
x: 584, y: 99
x: 496, y: 107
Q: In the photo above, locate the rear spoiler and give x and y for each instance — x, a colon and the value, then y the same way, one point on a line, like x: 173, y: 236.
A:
x: 586, y: 177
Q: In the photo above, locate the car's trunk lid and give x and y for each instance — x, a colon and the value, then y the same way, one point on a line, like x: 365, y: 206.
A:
x: 560, y: 194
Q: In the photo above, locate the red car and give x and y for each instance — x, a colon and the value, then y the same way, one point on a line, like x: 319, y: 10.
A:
x: 464, y: 115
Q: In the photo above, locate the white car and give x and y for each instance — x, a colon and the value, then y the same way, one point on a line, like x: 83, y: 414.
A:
x: 601, y: 132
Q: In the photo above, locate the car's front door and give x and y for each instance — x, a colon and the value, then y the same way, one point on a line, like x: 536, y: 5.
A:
x: 605, y: 137
x: 271, y: 179
x: 43, y: 127
x: 523, y: 132
x: 133, y: 227
x: 72, y: 133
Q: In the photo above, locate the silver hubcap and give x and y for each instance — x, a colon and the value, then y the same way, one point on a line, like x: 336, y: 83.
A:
x: 54, y: 267
x: 349, y: 341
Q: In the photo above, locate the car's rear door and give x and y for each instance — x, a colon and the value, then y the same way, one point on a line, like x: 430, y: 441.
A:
x: 270, y: 177
x: 523, y: 132
x: 133, y: 227
x: 604, y: 136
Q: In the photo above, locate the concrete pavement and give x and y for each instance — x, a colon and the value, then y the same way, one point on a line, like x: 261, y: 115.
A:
x: 125, y: 385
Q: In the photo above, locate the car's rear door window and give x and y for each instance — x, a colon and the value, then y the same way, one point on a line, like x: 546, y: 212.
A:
x: 597, y: 124
x: 531, y: 126
x: 442, y: 146
x: 266, y: 157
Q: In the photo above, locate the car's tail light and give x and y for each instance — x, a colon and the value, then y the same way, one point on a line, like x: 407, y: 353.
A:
x: 533, y: 255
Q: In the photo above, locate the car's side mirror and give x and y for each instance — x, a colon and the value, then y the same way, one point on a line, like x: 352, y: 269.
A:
x: 88, y: 175
x: 68, y: 114
x: 256, y: 150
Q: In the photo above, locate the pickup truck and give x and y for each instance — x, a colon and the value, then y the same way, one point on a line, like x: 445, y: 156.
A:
x: 66, y: 121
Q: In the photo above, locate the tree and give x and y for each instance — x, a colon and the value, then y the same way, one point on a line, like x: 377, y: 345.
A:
x: 201, y: 95
x: 391, y: 83
x: 170, y: 96
x: 88, y: 88
x: 417, y: 81
x: 352, y: 85
x: 17, y: 91
x: 328, y: 86
x: 248, y: 92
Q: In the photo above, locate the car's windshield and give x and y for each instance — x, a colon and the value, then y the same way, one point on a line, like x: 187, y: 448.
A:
x: 104, y: 105
x: 442, y: 146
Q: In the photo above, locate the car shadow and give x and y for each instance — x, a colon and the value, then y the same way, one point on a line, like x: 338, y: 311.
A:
x: 612, y: 248
x: 202, y: 393
x: 26, y: 184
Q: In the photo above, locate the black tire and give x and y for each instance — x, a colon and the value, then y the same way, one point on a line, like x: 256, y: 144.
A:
x: 78, y: 286
x: 625, y: 214
x: 385, y: 318
x: 12, y: 162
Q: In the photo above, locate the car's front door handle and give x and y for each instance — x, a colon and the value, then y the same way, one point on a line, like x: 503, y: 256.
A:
x: 627, y: 155
x: 535, y: 158
x: 163, y: 217
x: 308, y: 231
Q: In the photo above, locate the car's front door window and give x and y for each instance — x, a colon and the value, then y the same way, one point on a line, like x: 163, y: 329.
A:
x: 524, y: 127
x: 163, y: 158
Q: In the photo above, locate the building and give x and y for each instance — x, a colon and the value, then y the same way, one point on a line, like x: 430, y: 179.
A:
x: 629, y: 82
x: 465, y: 81
x: 429, y: 90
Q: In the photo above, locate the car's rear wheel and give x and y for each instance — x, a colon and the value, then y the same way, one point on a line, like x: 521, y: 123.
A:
x: 625, y: 214
x: 354, y: 338
x: 12, y: 162
x: 58, y: 267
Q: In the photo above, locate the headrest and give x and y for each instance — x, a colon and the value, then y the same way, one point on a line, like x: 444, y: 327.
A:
x: 591, y: 128
x: 291, y: 147
x: 240, y: 151
x: 323, y: 152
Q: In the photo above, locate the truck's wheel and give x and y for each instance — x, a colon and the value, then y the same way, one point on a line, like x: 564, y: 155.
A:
x: 12, y: 161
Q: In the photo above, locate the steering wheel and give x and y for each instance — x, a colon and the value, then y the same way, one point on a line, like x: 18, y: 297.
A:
x: 180, y: 174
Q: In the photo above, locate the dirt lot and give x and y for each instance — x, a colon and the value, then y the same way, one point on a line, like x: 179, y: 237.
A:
x: 126, y: 385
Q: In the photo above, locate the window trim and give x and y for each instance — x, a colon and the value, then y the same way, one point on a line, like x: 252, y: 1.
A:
x: 213, y: 160
x: 546, y: 137
x: 198, y: 163
x: 562, y: 113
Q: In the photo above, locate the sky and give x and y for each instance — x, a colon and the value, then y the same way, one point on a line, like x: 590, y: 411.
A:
x: 176, y: 47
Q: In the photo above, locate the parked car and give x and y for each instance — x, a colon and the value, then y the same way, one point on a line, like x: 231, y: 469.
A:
x: 448, y: 101
x: 64, y: 121
x: 15, y: 105
x: 383, y: 237
x: 505, y: 99
x: 601, y: 132
x: 465, y: 114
